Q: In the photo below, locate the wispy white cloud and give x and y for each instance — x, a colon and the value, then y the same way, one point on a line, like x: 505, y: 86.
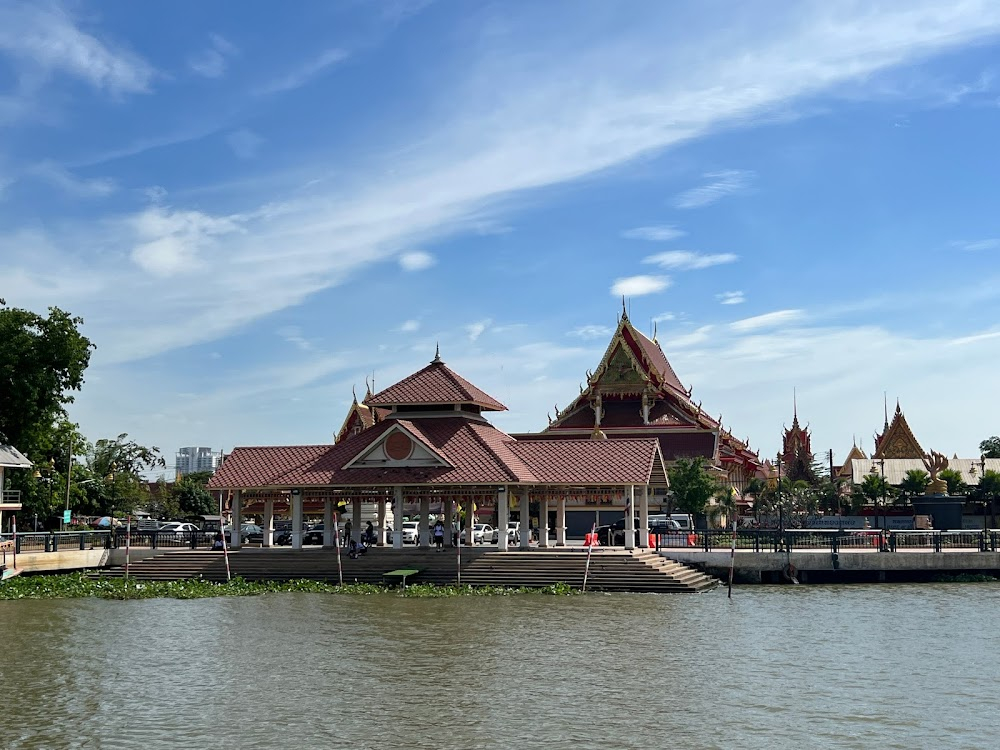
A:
x: 767, y: 320
x: 637, y: 286
x: 416, y: 261
x: 460, y: 165
x: 657, y: 233
x: 213, y: 62
x: 684, y: 260
x: 170, y: 242
x: 731, y: 298
x: 293, y: 335
x: 664, y: 317
x: 973, y: 246
x: 721, y: 184
x: 591, y: 332
x: 477, y: 329
x: 60, y: 177
x: 44, y: 38
x: 245, y: 143
x: 305, y: 72
x: 409, y: 326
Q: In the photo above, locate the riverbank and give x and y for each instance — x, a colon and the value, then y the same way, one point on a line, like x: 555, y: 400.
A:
x: 80, y: 586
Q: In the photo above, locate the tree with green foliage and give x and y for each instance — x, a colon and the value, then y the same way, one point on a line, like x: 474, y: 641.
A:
x: 42, y: 360
x: 990, y: 447
x: 955, y: 481
x: 192, y: 496
x: 691, y: 485
x: 914, y: 483
x: 875, y: 489
x: 117, y: 466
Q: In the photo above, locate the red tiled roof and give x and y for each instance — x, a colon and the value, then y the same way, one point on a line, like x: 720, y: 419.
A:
x: 478, y: 453
x: 260, y: 466
x: 435, y: 384
x: 629, y: 461
x: 659, y: 361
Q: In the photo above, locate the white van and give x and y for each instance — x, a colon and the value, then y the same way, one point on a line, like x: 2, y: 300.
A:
x: 684, y: 520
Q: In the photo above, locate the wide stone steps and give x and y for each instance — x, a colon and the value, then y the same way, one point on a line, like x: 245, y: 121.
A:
x: 610, y: 570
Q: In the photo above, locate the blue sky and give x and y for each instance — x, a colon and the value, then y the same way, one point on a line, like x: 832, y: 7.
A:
x: 254, y: 211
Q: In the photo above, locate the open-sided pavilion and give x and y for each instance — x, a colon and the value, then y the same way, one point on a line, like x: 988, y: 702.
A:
x: 434, y: 447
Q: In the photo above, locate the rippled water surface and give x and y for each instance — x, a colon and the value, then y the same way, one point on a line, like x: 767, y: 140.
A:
x: 776, y: 667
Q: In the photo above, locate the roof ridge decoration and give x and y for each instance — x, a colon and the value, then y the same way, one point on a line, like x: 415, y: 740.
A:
x: 897, y: 440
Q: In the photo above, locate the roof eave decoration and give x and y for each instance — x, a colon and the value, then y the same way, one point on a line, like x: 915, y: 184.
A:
x: 898, y: 441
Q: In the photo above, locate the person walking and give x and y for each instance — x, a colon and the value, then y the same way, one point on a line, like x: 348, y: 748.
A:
x: 347, y: 533
x: 439, y: 535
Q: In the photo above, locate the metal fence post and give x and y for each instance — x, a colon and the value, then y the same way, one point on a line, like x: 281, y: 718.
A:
x: 17, y: 544
x: 937, y: 542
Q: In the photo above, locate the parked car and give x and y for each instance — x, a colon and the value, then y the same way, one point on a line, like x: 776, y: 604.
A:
x: 177, y: 528
x: 251, y: 532
x: 411, y: 532
x: 481, y: 533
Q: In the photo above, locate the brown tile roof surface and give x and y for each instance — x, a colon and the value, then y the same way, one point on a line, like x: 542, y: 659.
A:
x: 659, y: 361
x: 479, y: 454
x: 435, y: 384
x: 627, y: 461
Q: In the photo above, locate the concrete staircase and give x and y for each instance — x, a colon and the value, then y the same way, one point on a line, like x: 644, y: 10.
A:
x: 610, y: 570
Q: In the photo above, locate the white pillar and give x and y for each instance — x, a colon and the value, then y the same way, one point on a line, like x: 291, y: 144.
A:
x: 630, y: 517
x: 543, y: 522
x: 470, y: 521
x: 380, y: 541
x: 449, y: 519
x: 503, y: 516
x: 237, y: 520
x: 561, y: 521
x: 296, y: 519
x: 525, y: 520
x: 397, y: 515
x: 329, y: 526
x: 644, y: 517
x: 355, y: 522
x: 268, y: 523
x: 425, y: 527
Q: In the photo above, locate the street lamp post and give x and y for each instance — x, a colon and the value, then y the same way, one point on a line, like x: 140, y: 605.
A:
x: 982, y: 475
x: 781, y: 508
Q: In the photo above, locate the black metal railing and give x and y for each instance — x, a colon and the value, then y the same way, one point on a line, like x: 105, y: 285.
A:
x: 83, y: 540
x: 832, y: 540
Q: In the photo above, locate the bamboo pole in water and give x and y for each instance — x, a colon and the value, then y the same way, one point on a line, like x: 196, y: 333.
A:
x: 590, y: 548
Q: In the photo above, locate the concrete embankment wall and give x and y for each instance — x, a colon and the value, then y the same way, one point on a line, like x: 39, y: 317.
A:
x: 75, y: 559
x: 819, y: 566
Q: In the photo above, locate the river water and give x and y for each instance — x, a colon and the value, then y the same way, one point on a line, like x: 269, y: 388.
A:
x: 775, y: 667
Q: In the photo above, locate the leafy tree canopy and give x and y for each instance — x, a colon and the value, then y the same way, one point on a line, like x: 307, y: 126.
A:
x: 990, y: 447
x: 915, y: 482
x: 191, y: 494
x: 42, y: 359
x: 691, y: 484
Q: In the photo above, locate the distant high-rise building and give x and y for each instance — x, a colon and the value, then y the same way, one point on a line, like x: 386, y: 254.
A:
x: 193, y: 459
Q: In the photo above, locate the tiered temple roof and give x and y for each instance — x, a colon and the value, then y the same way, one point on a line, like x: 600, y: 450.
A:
x: 635, y: 392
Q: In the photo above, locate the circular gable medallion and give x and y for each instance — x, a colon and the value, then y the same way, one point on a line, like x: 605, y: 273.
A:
x: 398, y: 446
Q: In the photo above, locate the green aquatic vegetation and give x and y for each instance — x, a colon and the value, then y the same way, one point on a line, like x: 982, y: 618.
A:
x: 80, y: 585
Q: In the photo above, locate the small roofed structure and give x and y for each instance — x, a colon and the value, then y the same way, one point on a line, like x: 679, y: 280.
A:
x: 897, y: 439
x: 433, y: 446
x: 10, y: 458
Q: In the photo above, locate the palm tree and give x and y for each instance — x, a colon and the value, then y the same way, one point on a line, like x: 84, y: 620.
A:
x: 956, y: 483
x: 914, y: 483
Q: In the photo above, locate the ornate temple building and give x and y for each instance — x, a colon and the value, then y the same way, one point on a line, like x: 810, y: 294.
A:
x: 796, y: 449
x: 897, y: 439
x: 360, y: 417
x: 635, y: 392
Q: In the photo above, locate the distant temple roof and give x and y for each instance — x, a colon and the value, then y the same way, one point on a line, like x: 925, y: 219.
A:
x: 897, y: 439
x: 12, y: 458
